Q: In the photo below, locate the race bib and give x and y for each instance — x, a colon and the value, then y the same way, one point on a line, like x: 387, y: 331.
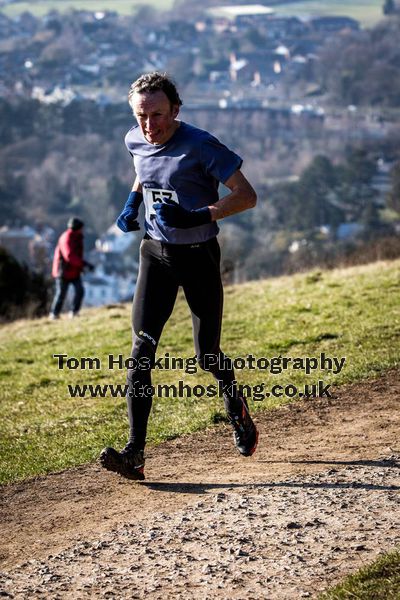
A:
x: 152, y: 195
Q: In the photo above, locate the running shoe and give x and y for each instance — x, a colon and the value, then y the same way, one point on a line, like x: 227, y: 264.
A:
x: 245, y: 434
x: 129, y: 462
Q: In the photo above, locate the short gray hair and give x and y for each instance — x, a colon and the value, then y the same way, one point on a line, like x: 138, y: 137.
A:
x: 155, y: 82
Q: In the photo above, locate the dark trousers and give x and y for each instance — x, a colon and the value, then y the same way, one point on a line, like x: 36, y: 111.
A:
x: 61, y: 291
x: 163, y: 268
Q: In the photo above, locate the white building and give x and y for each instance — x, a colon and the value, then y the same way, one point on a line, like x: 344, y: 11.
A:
x: 240, y: 14
x: 101, y: 288
x: 114, y: 278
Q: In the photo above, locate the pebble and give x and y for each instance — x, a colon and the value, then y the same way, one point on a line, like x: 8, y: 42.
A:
x: 232, y: 544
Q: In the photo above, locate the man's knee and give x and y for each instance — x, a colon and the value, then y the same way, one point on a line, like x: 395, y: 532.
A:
x: 214, y: 362
x: 142, y: 358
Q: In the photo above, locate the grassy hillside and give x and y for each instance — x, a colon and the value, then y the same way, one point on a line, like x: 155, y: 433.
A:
x: 368, y: 12
x: 40, y: 8
x: 378, y: 581
x: 352, y: 314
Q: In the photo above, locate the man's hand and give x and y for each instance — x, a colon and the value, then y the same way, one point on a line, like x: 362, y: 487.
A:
x: 129, y: 224
x: 127, y: 219
x: 88, y: 266
x: 171, y: 214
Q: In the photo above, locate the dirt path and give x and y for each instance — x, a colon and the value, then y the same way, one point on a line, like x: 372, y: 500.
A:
x: 318, y: 499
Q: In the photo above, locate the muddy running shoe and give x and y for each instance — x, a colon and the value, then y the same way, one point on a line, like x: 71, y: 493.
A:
x: 129, y: 462
x: 245, y: 434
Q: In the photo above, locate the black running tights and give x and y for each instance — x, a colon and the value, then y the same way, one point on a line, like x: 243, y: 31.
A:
x: 163, y: 268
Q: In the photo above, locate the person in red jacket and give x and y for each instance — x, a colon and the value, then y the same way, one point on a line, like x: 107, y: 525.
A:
x: 68, y: 264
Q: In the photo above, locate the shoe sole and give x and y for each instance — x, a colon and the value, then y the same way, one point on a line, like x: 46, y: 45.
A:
x: 109, y: 462
x: 251, y: 451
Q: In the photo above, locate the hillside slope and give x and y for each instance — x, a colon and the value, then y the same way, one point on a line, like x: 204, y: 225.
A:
x: 347, y: 316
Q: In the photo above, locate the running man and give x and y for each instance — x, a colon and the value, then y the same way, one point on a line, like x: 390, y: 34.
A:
x: 178, y: 171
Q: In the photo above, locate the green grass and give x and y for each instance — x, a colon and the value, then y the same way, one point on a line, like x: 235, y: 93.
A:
x: 378, y: 581
x: 352, y: 313
x: 40, y: 8
x: 368, y: 12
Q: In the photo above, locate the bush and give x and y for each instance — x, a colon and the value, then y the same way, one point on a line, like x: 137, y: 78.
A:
x: 22, y: 293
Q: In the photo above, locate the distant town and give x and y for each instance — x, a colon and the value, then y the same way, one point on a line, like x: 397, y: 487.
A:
x: 232, y: 56
x: 279, y: 79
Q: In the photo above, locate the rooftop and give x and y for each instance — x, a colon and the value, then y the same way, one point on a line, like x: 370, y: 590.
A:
x: 244, y: 10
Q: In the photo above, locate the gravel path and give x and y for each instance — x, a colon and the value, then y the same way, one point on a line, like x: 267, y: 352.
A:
x: 319, y: 499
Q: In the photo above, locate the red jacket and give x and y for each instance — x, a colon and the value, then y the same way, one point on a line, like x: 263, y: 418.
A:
x: 68, y: 260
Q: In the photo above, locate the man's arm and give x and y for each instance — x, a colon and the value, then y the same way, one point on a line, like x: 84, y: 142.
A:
x: 241, y: 198
x: 137, y: 186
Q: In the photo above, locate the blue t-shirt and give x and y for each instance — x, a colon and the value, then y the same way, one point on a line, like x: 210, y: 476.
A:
x: 186, y: 169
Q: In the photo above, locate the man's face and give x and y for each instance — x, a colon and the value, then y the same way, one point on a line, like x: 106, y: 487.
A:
x: 155, y: 115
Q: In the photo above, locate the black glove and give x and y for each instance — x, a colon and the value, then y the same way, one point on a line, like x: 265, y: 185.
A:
x: 88, y: 266
x: 171, y: 214
x: 127, y: 219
